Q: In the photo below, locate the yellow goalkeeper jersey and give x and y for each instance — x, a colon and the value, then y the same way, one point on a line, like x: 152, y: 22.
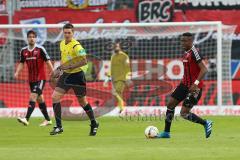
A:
x: 72, y: 53
x: 120, y: 66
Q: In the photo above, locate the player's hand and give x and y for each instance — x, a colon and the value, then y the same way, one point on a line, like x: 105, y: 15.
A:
x: 105, y: 84
x: 56, y: 73
x: 16, y: 75
x: 193, y: 88
x: 106, y: 80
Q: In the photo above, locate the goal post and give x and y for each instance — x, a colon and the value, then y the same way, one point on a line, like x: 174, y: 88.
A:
x: 155, y: 57
x: 219, y: 64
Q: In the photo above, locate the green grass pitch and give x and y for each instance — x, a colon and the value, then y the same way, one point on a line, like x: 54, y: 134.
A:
x: 119, y: 139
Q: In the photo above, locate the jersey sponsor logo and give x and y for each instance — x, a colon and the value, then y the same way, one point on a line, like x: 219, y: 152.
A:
x: 30, y: 58
x: 35, y: 53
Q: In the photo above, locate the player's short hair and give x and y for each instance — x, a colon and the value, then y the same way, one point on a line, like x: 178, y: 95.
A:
x: 31, y: 32
x: 187, y: 34
x: 68, y: 26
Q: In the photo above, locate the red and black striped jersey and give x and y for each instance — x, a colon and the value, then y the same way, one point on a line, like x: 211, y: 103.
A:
x: 35, y: 59
x: 191, y: 58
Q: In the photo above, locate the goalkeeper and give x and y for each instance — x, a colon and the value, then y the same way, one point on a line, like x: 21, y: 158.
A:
x: 119, y: 74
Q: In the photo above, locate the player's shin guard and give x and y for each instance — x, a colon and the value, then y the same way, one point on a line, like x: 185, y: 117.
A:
x: 89, y: 111
x: 43, y: 109
x: 30, y: 109
x: 194, y: 118
x: 58, y: 114
x: 168, y: 120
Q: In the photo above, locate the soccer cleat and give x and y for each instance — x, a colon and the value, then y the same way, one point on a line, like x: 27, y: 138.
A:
x: 208, y: 128
x: 23, y: 121
x: 56, y: 130
x: 163, y: 135
x: 45, y: 123
x: 93, y: 129
x: 121, y: 113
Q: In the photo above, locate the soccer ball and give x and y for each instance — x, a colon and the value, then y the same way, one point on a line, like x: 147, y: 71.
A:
x: 151, y: 132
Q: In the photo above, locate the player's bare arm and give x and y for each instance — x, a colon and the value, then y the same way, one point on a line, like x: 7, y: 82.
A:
x: 50, y: 66
x: 68, y: 66
x: 202, y: 73
x: 19, y: 69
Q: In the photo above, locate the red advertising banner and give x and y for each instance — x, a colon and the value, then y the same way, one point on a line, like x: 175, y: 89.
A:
x: 63, y: 4
x: 17, y: 94
x: 228, y: 17
x: 89, y: 5
x: 158, y: 87
x: 78, y: 16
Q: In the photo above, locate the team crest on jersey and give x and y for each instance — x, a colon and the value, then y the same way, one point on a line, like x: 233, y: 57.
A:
x: 35, y: 53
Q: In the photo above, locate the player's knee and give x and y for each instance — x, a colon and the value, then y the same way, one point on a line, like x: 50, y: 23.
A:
x: 184, y: 112
x: 82, y: 101
x: 56, y: 98
x: 57, y: 95
x: 33, y: 97
x: 40, y: 99
x: 171, y: 105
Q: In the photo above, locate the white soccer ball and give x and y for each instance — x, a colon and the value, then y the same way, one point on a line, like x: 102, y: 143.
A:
x: 151, y: 132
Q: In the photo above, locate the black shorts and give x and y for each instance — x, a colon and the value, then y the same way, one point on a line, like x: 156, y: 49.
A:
x: 181, y: 92
x: 75, y: 81
x: 37, y: 87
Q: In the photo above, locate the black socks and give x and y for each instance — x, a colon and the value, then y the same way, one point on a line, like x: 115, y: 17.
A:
x: 90, y: 113
x: 58, y: 114
x: 30, y: 109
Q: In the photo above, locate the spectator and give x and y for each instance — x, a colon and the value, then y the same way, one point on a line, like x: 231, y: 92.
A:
x: 111, y: 4
x: 120, y: 4
x: 124, y: 6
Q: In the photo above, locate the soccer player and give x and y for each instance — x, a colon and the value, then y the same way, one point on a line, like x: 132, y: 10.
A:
x: 35, y: 56
x: 189, y: 90
x: 119, y: 73
x: 73, y: 59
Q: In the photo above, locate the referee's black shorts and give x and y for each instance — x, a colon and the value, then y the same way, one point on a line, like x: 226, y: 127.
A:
x: 75, y: 81
x: 181, y: 92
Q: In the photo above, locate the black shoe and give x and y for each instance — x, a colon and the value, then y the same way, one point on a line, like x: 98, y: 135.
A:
x: 56, y: 130
x: 93, y: 130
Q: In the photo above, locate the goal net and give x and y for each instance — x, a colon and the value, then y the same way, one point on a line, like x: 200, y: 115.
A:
x: 155, y: 57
